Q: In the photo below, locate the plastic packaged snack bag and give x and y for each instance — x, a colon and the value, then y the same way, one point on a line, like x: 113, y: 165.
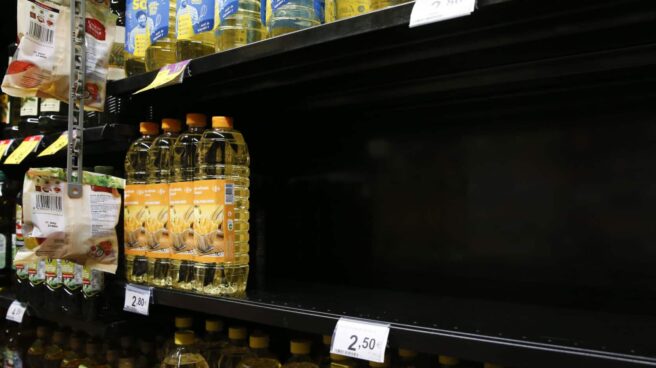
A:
x: 79, y: 230
x: 41, y: 64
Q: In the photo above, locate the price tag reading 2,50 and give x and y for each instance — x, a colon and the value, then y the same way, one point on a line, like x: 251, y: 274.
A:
x: 360, y: 339
x: 137, y: 299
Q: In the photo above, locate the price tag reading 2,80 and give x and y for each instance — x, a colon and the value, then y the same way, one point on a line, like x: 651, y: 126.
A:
x: 137, y: 299
x: 360, y: 339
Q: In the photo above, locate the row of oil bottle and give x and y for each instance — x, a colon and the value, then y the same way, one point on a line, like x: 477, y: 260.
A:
x: 43, y: 348
x: 160, y: 32
x: 186, y: 206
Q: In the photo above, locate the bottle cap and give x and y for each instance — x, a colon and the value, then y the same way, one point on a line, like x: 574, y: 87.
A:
x: 299, y: 347
x: 258, y: 341
x: 448, y: 360
x: 407, y: 353
x: 221, y: 122
x: 184, y: 337
x: 183, y: 322
x: 327, y: 339
x: 171, y: 125
x: 492, y: 365
x: 337, y: 357
x: 196, y: 120
x: 42, y: 332
x: 148, y: 128
x: 126, y: 363
x: 237, y: 333
x: 213, y: 325
x: 107, y: 170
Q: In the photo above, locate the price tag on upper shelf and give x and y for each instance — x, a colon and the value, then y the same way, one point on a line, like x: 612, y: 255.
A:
x: 27, y: 146
x: 431, y: 11
x: 56, y: 146
x: 360, y: 339
x: 169, y: 74
x: 16, y: 311
x: 137, y: 299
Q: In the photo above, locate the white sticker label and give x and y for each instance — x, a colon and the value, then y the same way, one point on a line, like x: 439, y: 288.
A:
x: 431, y: 11
x: 16, y: 311
x: 50, y: 105
x: 360, y: 339
x: 137, y: 299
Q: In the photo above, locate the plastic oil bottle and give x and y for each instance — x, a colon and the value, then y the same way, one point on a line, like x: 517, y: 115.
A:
x: 181, y: 323
x: 163, y: 48
x: 185, y: 354
x: 71, y: 357
x: 293, y: 15
x: 194, y: 28
x: 237, y: 348
x: 136, y: 234
x: 300, y: 350
x: 259, y: 356
x: 55, y: 352
x: 380, y: 4
x: 223, y: 156
x: 138, y: 25
x: 213, y: 342
x: 181, y: 197
x: 350, y: 8
x: 36, y: 351
x: 240, y: 24
x: 159, y: 177
x: 93, y: 355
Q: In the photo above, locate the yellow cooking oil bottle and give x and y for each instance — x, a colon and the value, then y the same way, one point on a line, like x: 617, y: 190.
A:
x: 240, y: 23
x: 185, y: 354
x: 181, y: 323
x: 259, y: 356
x: 349, y: 8
x: 300, y: 355
x: 195, y: 28
x: 182, y: 213
x: 380, y: 4
x: 137, y: 237
x: 236, y: 349
x: 222, y: 200
x: 138, y: 25
x: 157, y: 199
x: 162, y: 48
x: 293, y: 15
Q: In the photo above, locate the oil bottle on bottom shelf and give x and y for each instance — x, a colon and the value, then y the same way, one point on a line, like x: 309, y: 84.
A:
x: 236, y: 349
x: 259, y: 356
x: 222, y: 218
x: 185, y: 354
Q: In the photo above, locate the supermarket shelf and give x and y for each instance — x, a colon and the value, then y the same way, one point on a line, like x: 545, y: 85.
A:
x: 510, y: 334
x: 376, y: 58
x: 93, y: 328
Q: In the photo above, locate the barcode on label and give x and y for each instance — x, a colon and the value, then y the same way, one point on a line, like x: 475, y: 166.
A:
x: 229, y: 194
x: 47, y: 202
x: 41, y: 33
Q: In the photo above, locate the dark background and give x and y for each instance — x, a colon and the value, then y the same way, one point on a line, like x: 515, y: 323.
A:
x: 8, y: 31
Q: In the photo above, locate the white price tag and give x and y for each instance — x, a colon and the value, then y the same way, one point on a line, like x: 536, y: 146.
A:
x: 137, y: 299
x: 360, y: 339
x: 431, y: 11
x: 16, y: 311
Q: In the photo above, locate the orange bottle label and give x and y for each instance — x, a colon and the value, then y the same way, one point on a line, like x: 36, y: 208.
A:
x: 214, y: 223
x: 156, y: 200
x: 181, y: 220
x: 136, y: 237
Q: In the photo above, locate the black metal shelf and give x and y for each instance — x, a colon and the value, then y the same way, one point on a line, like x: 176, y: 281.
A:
x: 511, y: 334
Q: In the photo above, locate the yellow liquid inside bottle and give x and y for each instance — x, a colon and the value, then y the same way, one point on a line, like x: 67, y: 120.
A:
x: 293, y: 16
x: 159, y: 171
x: 185, y: 354
x: 136, y: 171
x: 134, y: 65
x: 349, y: 8
x: 223, y: 155
x: 241, y: 28
x: 189, y: 44
x: 163, y: 51
x: 380, y: 4
x: 184, y: 164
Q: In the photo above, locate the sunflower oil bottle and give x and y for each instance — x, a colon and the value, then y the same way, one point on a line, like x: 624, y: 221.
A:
x: 93, y: 355
x: 36, y: 351
x: 55, y: 351
x: 259, y: 356
x: 181, y: 198
x: 300, y: 350
x: 157, y: 200
x: 236, y: 349
x: 194, y: 28
x: 222, y: 199
x: 72, y: 356
x: 349, y: 8
x: 185, y: 354
x: 138, y: 26
x: 162, y: 49
x: 137, y: 237
x: 380, y: 4
x: 293, y: 15
x: 213, y: 342
x: 240, y: 24
x: 181, y: 323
